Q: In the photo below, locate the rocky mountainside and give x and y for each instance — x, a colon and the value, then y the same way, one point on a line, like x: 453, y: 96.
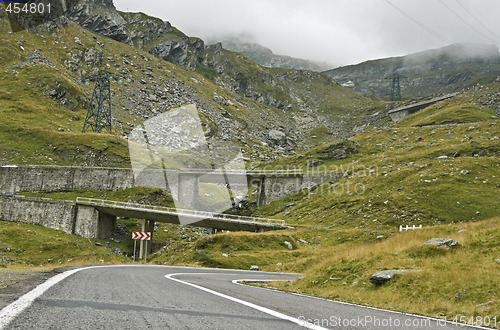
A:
x: 265, y: 56
x: 444, y: 70
x: 268, y: 112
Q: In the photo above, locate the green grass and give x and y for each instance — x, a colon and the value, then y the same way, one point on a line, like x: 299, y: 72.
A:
x: 29, y: 245
x: 433, y: 291
x: 464, y: 113
x: 394, y: 179
x: 148, y: 196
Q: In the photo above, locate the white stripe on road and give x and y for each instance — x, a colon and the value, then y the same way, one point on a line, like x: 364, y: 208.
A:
x: 246, y: 303
x: 11, y: 311
x: 8, y: 313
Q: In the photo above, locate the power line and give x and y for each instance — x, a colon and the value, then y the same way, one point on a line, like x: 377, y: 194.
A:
x: 477, y: 20
x: 423, y: 26
x: 466, y: 22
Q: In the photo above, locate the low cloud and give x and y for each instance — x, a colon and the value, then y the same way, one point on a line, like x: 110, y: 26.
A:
x: 338, y: 32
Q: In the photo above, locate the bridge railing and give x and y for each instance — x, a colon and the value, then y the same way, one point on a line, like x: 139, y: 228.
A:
x: 43, y: 199
x: 175, y: 211
x: 183, y: 170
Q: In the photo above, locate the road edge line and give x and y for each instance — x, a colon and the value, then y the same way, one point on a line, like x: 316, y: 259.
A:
x: 246, y: 303
x: 9, y: 312
x: 239, y: 282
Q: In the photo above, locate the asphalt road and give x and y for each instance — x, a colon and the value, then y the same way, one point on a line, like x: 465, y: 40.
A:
x: 157, y: 297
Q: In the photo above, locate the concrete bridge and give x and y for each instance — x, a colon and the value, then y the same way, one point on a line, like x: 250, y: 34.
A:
x: 94, y: 218
x: 150, y: 213
x: 272, y: 185
x: 399, y: 113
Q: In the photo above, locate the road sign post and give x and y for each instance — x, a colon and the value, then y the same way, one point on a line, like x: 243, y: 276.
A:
x: 141, y: 236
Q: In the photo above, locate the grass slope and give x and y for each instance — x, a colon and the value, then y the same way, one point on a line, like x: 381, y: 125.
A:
x: 43, y: 103
x: 348, y: 229
x: 29, y: 245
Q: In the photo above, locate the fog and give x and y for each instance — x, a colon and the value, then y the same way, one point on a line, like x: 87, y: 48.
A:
x: 339, y: 32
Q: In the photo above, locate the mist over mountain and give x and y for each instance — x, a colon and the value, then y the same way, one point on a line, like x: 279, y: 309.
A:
x: 265, y: 56
x: 269, y: 112
x: 437, y: 71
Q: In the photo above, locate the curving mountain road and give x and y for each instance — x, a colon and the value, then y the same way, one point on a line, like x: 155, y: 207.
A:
x: 158, y: 297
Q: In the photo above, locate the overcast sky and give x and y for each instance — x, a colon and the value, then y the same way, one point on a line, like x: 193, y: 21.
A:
x: 339, y: 32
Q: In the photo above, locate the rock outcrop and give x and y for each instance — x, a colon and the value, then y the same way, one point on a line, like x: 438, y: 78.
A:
x: 101, y: 17
x: 442, y: 242
x: 386, y: 275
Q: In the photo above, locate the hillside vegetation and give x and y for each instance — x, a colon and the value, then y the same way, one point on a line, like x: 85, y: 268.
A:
x: 438, y: 168
x: 50, y: 73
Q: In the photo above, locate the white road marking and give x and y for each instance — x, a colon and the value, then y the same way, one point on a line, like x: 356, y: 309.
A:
x: 8, y: 313
x: 11, y: 311
x: 448, y: 323
x: 246, y: 303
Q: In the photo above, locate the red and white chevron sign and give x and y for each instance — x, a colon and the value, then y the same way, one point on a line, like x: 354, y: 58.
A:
x: 143, y: 236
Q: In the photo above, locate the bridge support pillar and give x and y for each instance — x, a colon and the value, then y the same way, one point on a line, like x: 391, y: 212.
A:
x: 146, y: 247
x: 187, y: 190
x: 91, y: 223
x: 259, y: 181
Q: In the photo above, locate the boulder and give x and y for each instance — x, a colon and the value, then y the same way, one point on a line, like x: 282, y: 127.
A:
x: 254, y: 267
x: 386, y: 275
x: 288, y: 245
x: 442, y: 242
x: 276, y: 138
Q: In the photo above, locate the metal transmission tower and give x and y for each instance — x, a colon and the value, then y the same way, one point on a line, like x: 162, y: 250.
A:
x: 395, y: 88
x: 99, y: 113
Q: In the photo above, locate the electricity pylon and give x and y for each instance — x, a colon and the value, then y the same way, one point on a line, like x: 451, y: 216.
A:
x: 396, y: 88
x: 99, y: 113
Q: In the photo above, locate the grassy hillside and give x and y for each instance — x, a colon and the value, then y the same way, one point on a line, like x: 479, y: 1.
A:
x: 28, y: 245
x: 438, y: 168
x: 49, y: 79
x: 348, y: 229
x: 397, y: 175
